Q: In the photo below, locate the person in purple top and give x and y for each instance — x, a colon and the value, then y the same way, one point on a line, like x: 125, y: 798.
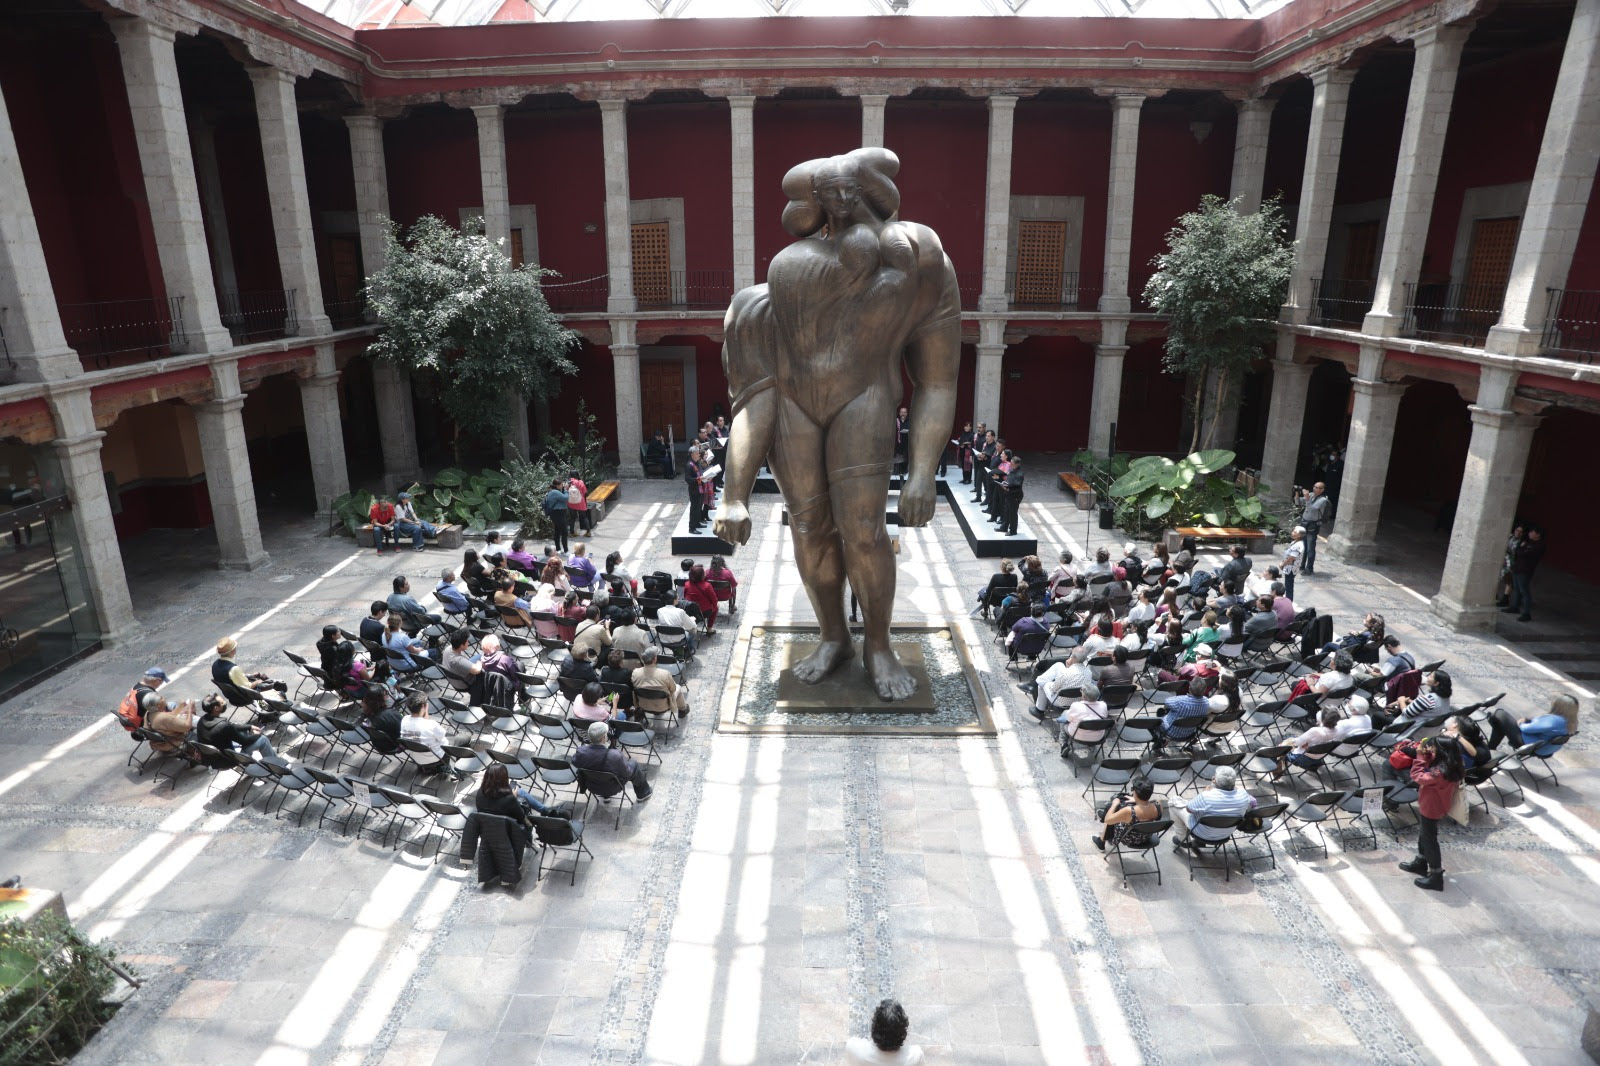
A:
x: 581, y: 562
x: 522, y: 558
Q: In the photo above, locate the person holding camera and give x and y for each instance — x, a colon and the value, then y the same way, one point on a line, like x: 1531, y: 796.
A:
x: 220, y: 733
x: 1121, y: 816
x: 1317, y: 509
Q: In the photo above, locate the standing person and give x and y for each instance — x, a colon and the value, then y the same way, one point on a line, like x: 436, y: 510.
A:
x: 1524, y: 561
x: 1437, y: 770
x: 1317, y: 509
x: 902, y: 425
x: 578, y: 503
x: 556, y: 509
x: 381, y: 515
x: 1291, y: 559
x: 1504, y: 589
x: 888, y: 1045
x: 964, y: 452
x: 980, y: 465
x: 408, y: 524
x: 691, y: 480
x: 1013, y: 498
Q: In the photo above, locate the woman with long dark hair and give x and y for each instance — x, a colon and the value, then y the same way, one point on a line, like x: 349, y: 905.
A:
x: 1437, y: 770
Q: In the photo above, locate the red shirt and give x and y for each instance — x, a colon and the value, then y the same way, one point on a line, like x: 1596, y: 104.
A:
x: 382, y: 513
x: 701, y: 593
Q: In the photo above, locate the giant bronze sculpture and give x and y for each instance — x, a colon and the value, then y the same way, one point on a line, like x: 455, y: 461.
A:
x: 813, y: 360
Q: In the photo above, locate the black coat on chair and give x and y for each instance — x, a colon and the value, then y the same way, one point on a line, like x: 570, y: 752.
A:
x: 502, y: 841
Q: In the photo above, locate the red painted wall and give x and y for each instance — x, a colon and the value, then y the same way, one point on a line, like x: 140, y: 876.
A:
x: 1174, y: 171
x: 244, y: 195
x: 1548, y: 498
x: 595, y: 385
x: 1585, y: 272
x: 555, y: 161
x: 661, y: 137
x: 1150, y: 416
x: 789, y: 132
x: 1046, y: 408
x: 432, y: 159
x: 1068, y: 145
x: 943, y: 147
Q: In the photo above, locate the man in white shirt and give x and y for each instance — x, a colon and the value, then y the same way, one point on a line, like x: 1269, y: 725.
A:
x: 1357, y: 718
x: 1100, y: 642
x: 418, y: 726
x: 630, y: 637
x: 1326, y: 729
x: 670, y: 614
x: 1072, y: 672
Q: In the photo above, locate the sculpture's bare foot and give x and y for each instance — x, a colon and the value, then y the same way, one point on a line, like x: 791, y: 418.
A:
x: 892, y: 680
x: 829, y: 656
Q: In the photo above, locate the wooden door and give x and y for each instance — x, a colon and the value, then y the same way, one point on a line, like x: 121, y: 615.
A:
x: 1041, y: 244
x: 516, y: 248
x: 652, y: 266
x: 345, y: 256
x: 1361, y: 251
x: 661, y: 397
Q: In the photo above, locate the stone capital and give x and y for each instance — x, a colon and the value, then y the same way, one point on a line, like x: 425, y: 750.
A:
x: 1001, y: 102
x: 743, y: 103
x: 1497, y: 419
x: 1452, y: 34
x: 1378, y: 390
x: 78, y: 447
x: 124, y: 28
x: 270, y: 75
x: 623, y: 333
x: 1110, y: 351
x: 220, y: 406
x: 319, y: 381
x: 1332, y: 74
x: 1257, y: 104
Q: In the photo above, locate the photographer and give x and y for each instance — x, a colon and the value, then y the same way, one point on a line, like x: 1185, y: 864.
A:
x: 1318, y: 509
x: 1125, y: 810
x: 221, y: 733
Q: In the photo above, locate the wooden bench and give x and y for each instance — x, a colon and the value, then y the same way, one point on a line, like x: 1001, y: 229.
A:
x: 1256, y: 540
x: 448, y: 536
x: 1071, y: 482
x: 605, y: 496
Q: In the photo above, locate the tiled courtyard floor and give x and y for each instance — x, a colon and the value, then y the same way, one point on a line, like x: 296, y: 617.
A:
x: 775, y: 888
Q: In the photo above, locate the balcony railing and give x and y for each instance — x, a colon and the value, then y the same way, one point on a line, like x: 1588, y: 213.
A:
x: 1453, y: 314
x: 144, y: 329
x: 567, y: 297
x: 683, y: 290
x: 1572, y: 324
x: 1342, y: 301
x: 259, y: 316
x: 1053, y: 290
x: 345, y: 312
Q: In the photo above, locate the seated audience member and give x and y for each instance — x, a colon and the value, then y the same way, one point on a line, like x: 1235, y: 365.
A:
x: 171, y: 725
x: 1132, y: 565
x: 1183, y: 562
x: 1357, y: 716
x: 1143, y: 609
x: 1120, y: 672
x: 1334, y: 680
x: 382, y: 516
x: 375, y: 625
x: 718, y: 571
x: 1015, y: 607
x: 420, y: 726
x: 572, y: 609
x: 597, y: 753
x: 1065, y: 573
x: 506, y: 596
x: 1223, y: 799
x: 613, y: 673
x: 1475, y: 750
x: 1208, y: 633
x: 1124, y: 813
x: 519, y: 556
x: 651, y: 676
x: 473, y: 571
x: 1326, y: 729
x: 1371, y: 632
x: 494, y: 549
x: 340, y: 663
x: 1031, y: 574
x: 1137, y: 636
x: 1204, y: 665
x: 1560, y: 721
x: 225, y: 669
x: 217, y: 731
x: 1029, y: 627
x: 496, y: 796
x: 1283, y: 607
x: 698, y: 591
x: 999, y: 585
x: 672, y: 614
x: 403, y: 603
x: 1088, y: 707
x: 1180, y: 722
x: 450, y: 597
x: 580, y: 666
x: 1167, y: 604
x: 543, y: 601
x: 629, y: 636
x: 460, y: 663
x: 581, y: 562
x: 1063, y: 676
x: 1264, y: 622
x: 407, y: 523
x: 496, y: 659
x: 1237, y: 568
x: 1101, y: 564
x: 1227, y: 597
x: 1396, y: 660
x: 1101, y: 640
x: 591, y: 633
x: 406, y: 653
x: 616, y: 574
x: 592, y: 703
x: 1431, y: 703
x: 555, y: 575
x: 888, y: 1045
x: 381, y: 718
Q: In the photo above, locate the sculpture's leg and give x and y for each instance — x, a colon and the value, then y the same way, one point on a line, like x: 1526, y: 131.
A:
x: 797, y: 462
x: 860, y: 493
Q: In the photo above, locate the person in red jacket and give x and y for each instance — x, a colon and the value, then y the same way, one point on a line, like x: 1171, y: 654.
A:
x: 719, y: 572
x: 1437, y: 769
x: 697, y: 590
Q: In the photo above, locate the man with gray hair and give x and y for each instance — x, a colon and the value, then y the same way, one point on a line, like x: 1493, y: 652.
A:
x: 598, y: 754
x: 1223, y: 798
x: 1087, y: 708
x: 653, y: 679
x: 450, y: 597
x: 1070, y: 673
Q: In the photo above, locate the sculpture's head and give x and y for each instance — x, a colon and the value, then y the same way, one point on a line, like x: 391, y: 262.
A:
x: 838, y: 187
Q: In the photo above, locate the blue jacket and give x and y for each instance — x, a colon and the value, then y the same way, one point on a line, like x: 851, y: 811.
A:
x: 555, y: 500
x: 1544, y: 727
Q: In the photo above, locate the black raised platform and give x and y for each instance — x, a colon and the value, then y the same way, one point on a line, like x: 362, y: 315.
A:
x: 985, y: 541
x: 701, y: 543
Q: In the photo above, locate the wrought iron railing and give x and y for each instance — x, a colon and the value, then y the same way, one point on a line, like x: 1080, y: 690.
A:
x: 144, y: 329
x: 970, y: 282
x: 575, y: 296
x: 259, y: 316
x: 1053, y: 290
x: 1456, y: 314
x: 683, y: 290
x: 1341, y: 301
x: 345, y: 312
x: 1572, y: 324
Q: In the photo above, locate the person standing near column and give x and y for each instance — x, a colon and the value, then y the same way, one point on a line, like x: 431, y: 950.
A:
x: 1524, y: 560
x: 980, y: 465
x: 1317, y: 508
x: 691, y: 481
x: 1292, y: 556
x: 555, y: 509
x: 578, y: 504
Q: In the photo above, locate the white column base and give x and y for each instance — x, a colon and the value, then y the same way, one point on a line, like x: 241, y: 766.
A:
x: 1462, y: 618
x: 1346, y: 551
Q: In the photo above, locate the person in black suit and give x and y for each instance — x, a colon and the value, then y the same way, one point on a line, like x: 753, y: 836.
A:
x: 691, y: 480
x: 1013, y: 495
x: 981, y: 465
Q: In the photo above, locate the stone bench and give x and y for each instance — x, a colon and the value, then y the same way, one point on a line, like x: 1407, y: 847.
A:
x: 1256, y: 540
x: 448, y: 536
x: 1070, y: 482
x: 605, y: 496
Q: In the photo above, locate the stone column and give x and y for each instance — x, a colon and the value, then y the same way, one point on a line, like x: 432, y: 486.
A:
x: 1280, y: 454
x: 872, y: 107
x: 1366, y: 468
x: 227, y: 460
x: 1416, y: 175
x: 1485, y: 509
x: 1563, y: 182
x: 625, y: 369
x: 1125, y: 109
x: 492, y: 174
x: 1250, y: 153
x: 997, y: 207
x: 986, y: 379
x: 78, y: 450
x: 279, y: 119
x: 372, y: 186
x: 1330, y: 98
x: 1106, y: 399
x: 203, y: 141
x: 150, y: 68
x: 741, y: 111
x: 397, y: 424
x: 31, y: 323
x: 519, y: 438
x: 619, y: 230
x: 319, y: 402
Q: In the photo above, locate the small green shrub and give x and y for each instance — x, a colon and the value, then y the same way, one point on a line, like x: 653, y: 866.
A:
x: 1152, y: 493
x: 53, y: 989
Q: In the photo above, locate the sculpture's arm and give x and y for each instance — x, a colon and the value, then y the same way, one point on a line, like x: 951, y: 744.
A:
x: 933, y: 359
x: 747, y: 358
